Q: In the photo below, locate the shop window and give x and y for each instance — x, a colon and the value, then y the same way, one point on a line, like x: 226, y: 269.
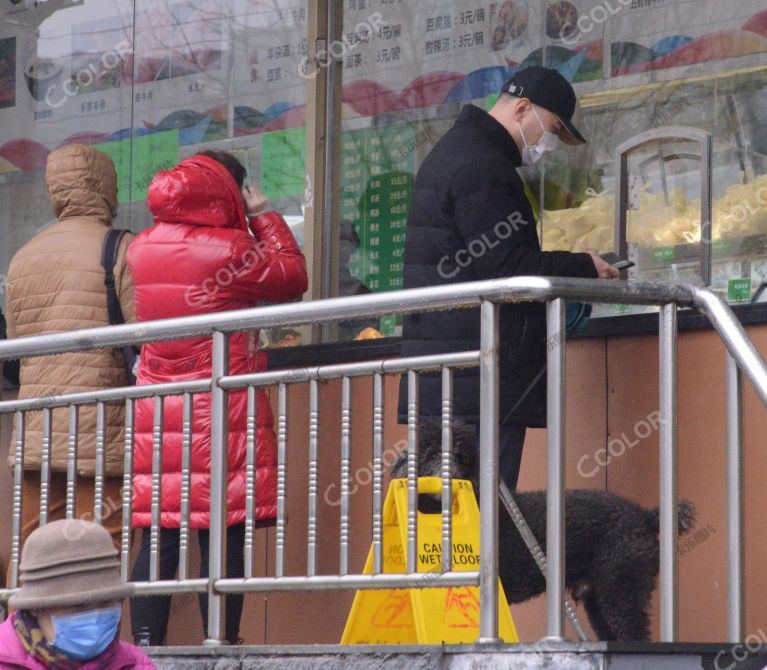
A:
x: 408, y: 68
x: 150, y: 83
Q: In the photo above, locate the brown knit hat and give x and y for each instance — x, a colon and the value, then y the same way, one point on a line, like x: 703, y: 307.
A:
x: 68, y: 563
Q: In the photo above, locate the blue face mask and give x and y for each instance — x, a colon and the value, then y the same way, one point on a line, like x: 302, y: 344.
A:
x: 84, y: 635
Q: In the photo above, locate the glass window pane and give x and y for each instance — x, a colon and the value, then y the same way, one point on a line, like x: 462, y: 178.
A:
x: 408, y: 68
x: 150, y: 83
x: 61, y: 82
x: 227, y: 75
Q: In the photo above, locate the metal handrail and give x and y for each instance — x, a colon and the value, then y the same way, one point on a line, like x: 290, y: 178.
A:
x: 453, y: 296
x: 734, y: 337
x: 742, y: 356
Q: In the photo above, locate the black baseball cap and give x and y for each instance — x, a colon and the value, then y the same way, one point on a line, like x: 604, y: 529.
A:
x: 548, y: 89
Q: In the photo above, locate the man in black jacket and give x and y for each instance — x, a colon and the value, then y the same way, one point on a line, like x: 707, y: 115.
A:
x: 470, y: 220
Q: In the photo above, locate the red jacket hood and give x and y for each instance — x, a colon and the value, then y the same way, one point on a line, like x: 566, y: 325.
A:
x: 199, y: 191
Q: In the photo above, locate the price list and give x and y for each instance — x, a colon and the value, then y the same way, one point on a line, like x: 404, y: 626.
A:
x: 376, y: 185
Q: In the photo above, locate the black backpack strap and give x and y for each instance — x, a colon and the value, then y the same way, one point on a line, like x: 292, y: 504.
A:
x: 10, y: 368
x: 108, y: 261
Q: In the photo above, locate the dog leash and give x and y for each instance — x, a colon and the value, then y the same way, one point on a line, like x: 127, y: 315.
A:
x: 535, y: 550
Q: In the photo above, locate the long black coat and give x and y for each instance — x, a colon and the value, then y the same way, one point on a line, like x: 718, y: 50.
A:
x: 470, y: 220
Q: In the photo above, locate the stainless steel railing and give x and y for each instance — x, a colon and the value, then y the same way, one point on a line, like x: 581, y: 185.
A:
x: 488, y: 295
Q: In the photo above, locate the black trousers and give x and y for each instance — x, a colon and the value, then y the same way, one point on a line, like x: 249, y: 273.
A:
x: 149, y: 614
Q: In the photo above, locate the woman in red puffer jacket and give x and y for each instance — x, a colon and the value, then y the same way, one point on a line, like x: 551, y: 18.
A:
x: 213, y: 248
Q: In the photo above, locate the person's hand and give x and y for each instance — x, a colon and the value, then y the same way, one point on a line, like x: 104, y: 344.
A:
x: 603, y: 268
x: 255, y: 202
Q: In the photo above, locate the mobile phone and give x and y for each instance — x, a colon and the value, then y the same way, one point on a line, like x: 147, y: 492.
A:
x: 623, y: 264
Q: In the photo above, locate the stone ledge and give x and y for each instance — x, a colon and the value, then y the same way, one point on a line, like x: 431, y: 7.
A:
x: 562, y: 656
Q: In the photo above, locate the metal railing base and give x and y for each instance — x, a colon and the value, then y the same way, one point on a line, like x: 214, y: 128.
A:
x: 213, y: 643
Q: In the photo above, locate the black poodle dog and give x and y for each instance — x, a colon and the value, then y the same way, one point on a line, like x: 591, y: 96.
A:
x: 611, y: 548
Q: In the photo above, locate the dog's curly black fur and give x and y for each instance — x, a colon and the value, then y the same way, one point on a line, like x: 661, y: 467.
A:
x: 611, y: 543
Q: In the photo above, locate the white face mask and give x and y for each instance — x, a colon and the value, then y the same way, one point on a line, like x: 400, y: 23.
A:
x: 548, y: 142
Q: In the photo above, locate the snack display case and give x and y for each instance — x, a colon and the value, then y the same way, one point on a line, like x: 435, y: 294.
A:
x: 691, y: 199
x: 673, y: 226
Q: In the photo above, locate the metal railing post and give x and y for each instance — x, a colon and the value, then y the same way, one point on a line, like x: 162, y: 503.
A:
x: 18, y: 498
x: 45, y: 467
x: 185, y: 506
x: 555, y: 497
x: 127, y: 490
x: 282, y: 473
x: 378, y: 440
x: 488, y: 474
x: 314, y: 445
x: 668, y: 467
x: 218, y: 478
x: 447, y: 469
x: 71, y: 495
x: 346, y: 472
x: 411, y: 558
x: 98, y: 480
x: 735, y: 568
x: 156, y: 523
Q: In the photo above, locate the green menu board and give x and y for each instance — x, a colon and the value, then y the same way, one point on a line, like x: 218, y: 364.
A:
x: 136, y: 168
x: 282, y: 163
x: 377, y: 168
x: 376, y: 185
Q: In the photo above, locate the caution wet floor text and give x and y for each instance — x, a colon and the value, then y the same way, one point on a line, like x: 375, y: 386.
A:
x: 425, y: 615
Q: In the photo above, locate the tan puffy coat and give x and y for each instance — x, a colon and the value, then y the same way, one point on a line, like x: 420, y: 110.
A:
x: 55, y: 284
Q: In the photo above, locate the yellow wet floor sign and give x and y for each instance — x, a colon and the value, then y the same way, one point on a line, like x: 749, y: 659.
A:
x: 425, y: 615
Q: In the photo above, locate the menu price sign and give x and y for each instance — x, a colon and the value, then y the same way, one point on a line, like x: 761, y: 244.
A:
x: 377, y: 167
x: 376, y: 186
x: 739, y: 290
x: 282, y: 163
x: 151, y: 153
x: 271, y: 54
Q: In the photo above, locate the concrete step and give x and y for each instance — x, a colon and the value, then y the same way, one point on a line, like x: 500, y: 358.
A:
x: 562, y: 656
